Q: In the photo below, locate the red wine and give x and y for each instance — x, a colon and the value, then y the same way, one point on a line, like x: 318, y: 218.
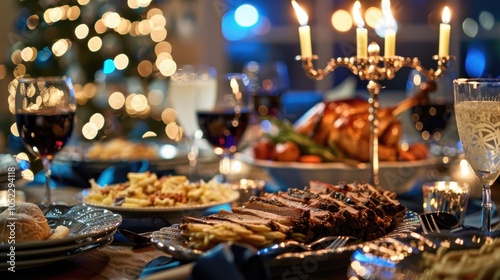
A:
x: 45, y: 134
x: 431, y: 118
x: 223, y: 129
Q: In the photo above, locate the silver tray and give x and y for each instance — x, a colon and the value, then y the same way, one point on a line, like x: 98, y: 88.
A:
x: 401, y: 258
x: 170, y: 240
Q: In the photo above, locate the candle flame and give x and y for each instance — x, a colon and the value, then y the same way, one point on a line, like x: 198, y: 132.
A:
x: 358, y: 19
x: 387, y: 13
x: 301, y: 14
x: 446, y: 15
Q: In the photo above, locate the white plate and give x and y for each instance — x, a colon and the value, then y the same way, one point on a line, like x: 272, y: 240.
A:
x: 397, y: 176
x: 172, y: 214
x: 84, y: 223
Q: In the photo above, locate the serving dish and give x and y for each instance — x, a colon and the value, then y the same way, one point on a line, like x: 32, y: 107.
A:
x: 170, y: 240
x: 168, y: 156
x: 170, y: 214
x: 404, y: 257
x: 90, y: 229
x: 397, y: 176
x: 84, y: 223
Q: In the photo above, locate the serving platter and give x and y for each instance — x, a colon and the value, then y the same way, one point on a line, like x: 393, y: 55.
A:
x: 170, y: 240
x: 172, y: 214
x: 403, y: 257
x: 397, y: 176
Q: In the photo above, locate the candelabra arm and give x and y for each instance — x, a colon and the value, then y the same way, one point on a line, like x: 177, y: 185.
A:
x: 430, y: 74
x: 319, y: 74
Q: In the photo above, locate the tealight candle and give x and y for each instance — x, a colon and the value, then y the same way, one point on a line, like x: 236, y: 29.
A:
x: 444, y: 33
x: 304, y: 31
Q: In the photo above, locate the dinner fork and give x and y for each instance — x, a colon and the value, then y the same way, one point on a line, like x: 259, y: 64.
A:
x: 327, y: 242
x: 428, y: 224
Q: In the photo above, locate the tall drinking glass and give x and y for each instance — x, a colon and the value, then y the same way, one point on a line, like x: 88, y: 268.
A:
x: 45, y: 112
x: 224, y: 126
x: 191, y: 89
x: 477, y: 112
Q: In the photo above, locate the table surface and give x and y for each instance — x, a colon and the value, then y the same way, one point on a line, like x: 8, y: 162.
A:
x: 124, y: 260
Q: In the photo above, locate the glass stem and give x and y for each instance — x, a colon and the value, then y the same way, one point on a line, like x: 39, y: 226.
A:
x: 224, y: 167
x: 486, y: 206
x: 47, y: 198
x: 193, y: 158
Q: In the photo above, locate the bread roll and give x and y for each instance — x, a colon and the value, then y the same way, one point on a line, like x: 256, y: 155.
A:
x: 30, y: 224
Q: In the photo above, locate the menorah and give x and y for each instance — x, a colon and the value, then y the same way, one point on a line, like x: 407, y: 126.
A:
x: 374, y: 68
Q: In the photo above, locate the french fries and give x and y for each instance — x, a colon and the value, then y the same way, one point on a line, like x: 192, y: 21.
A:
x: 203, y: 236
x: 479, y: 263
x: 146, y: 189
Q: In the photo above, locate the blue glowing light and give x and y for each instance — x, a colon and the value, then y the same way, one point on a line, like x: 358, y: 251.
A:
x: 246, y: 15
x: 231, y: 30
x: 109, y: 66
x: 475, y: 62
x: 44, y: 54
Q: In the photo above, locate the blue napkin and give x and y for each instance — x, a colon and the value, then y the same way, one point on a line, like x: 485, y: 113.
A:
x: 226, y: 261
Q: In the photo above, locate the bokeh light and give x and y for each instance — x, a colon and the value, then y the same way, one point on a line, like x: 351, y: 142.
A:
x: 246, y: 15
x: 94, y: 44
x: 470, y: 27
x: 342, y: 20
x: 486, y: 20
x: 116, y: 100
x: 82, y: 31
x: 475, y: 62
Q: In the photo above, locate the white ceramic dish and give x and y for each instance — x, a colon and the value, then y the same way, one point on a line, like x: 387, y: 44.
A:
x: 399, y: 176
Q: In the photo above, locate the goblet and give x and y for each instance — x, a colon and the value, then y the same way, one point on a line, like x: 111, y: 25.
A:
x: 434, y: 110
x: 45, y: 111
x: 223, y: 127
x: 268, y: 82
x: 477, y: 113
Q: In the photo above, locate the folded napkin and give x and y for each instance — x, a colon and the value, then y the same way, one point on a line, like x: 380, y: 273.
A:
x: 226, y: 261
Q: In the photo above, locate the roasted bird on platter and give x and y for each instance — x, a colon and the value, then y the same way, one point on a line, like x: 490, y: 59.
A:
x: 340, y: 131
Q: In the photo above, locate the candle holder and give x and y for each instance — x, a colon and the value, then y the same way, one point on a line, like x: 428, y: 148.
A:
x: 374, y: 68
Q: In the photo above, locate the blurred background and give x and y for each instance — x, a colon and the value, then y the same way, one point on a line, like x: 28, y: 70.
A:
x: 121, y: 54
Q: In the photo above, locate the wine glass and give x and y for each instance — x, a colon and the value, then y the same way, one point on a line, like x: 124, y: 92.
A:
x: 434, y: 111
x: 268, y: 81
x: 224, y: 126
x: 45, y: 111
x: 477, y: 113
x: 190, y: 89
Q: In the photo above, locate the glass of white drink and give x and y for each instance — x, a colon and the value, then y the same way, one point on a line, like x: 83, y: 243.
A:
x: 191, y: 89
x: 477, y: 112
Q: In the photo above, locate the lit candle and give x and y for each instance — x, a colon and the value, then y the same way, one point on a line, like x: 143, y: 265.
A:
x: 390, y: 33
x: 444, y: 33
x: 304, y: 31
x: 361, y: 32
